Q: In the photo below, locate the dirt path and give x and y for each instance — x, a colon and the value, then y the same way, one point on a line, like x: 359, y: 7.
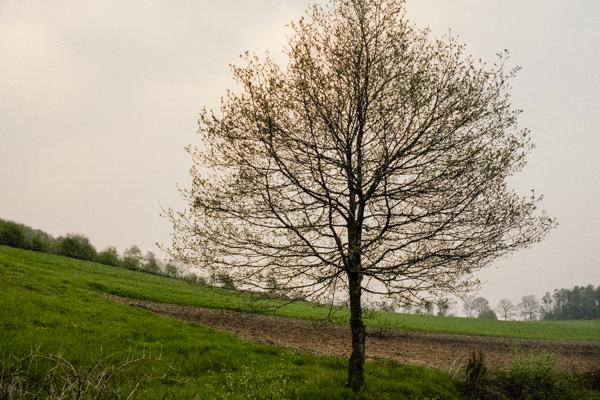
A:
x: 446, y: 352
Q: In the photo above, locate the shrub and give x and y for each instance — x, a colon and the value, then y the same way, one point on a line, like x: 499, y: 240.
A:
x: 171, y: 270
x: 76, y: 246
x: 531, y: 376
x: 109, y: 256
x: 12, y: 234
x: 536, y: 376
x: 24, y: 237
x: 193, y: 278
x: 132, y: 258
x: 151, y: 263
x: 487, y: 314
x: 223, y: 280
x: 41, y: 241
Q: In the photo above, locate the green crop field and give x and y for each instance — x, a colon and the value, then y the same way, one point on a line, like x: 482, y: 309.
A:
x: 56, y: 305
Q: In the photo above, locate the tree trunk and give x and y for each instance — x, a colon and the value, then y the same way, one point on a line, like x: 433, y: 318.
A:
x: 356, y: 364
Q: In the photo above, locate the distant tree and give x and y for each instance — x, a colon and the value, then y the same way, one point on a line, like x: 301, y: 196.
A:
x: 382, y: 305
x: 194, y: 278
x: 109, y: 256
x: 24, y: 237
x: 271, y: 284
x: 427, y: 306
x: 487, y: 314
x: 222, y: 279
x: 529, y: 307
x: 151, y: 263
x: 579, y: 302
x: 481, y: 305
x: 407, y: 308
x: 12, y: 234
x: 474, y: 306
x: 560, y: 304
x: 376, y: 160
x: 171, y: 270
x: 469, y: 307
x: 506, y: 309
x: 443, y: 305
x: 75, y: 246
x: 546, y: 306
x: 589, y: 303
x: 132, y: 258
x: 597, y: 302
x: 41, y: 241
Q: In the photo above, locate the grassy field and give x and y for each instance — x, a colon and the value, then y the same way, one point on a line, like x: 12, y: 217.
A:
x: 56, y: 305
x: 57, y: 272
x: 53, y: 304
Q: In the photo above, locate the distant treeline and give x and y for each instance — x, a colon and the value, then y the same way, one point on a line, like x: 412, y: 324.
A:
x: 79, y: 246
x: 581, y: 302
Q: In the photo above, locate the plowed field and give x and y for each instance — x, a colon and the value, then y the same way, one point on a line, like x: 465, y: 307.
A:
x: 446, y: 352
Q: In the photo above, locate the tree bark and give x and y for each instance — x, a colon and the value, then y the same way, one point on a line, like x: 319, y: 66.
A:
x: 356, y: 364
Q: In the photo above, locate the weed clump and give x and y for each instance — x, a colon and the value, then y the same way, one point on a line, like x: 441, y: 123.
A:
x: 475, y: 372
x: 52, y: 376
x: 254, y: 383
x: 537, y: 376
x: 530, y: 376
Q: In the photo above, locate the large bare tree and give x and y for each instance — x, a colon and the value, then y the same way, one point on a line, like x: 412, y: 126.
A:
x: 374, y: 161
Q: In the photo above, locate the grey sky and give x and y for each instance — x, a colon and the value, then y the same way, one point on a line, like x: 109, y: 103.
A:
x: 98, y: 99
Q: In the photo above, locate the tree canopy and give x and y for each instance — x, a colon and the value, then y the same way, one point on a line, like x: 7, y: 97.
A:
x: 375, y: 161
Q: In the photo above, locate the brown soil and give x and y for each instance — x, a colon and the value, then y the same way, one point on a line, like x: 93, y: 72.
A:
x: 446, y: 352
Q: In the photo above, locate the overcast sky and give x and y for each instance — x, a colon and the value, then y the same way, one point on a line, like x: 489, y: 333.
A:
x: 98, y: 99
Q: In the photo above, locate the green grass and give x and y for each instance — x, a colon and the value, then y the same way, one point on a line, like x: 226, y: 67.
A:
x: 56, y: 305
x: 55, y: 271
x: 53, y: 304
x: 549, y: 330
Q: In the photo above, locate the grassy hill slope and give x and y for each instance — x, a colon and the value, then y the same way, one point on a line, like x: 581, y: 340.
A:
x: 60, y: 272
x: 55, y: 305
x: 51, y: 305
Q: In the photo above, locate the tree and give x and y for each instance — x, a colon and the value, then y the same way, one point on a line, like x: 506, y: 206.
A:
x: 529, y: 307
x: 271, y: 284
x: 151, y: 264
x: 487, y: 314
x: 469, y: 307
x: 75, y: 246
x: 576, y: 303
x: 225, y: 280
x: 132, y: 258
x: 506, y: 309
x: 41, y: 241
x: 11, y: 234
x: 443, y: 305
x: 109, y: 256
x: 546, y: 305
x: 374, y: 163
x: 475, y: 306
x: 171, y: 270
x: 481, y: 305
x: 407, y: 308
x: 25, y: 237
x: 427, y: 306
